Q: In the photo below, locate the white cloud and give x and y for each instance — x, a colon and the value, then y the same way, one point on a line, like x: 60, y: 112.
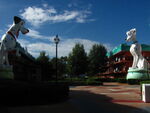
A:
x: 64, y: 47
x: 108, y: 46
x: 37, y: 15
x: 23, y: 42
x: 70, y: 43
x: 37, y: 35
x: 36, y: 48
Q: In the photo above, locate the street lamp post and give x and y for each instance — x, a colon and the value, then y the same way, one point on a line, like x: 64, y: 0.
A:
x: 56, y: 40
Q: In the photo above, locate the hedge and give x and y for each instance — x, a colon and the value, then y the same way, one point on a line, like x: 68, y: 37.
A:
x: 145, y: 82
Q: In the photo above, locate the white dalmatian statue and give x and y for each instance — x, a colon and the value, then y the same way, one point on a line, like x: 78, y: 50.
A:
x: 139, y: 62
x: 8, y: 40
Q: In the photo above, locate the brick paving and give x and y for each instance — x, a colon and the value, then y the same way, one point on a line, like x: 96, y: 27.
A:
x: 109, y: 98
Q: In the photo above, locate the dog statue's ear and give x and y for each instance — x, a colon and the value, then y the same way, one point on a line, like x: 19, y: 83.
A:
x: 17, y: 19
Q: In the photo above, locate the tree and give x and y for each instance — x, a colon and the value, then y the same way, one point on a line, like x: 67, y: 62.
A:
x: 43, y: 58
x: 77, y: 60
x: 46, y: 66
x: 96, y: 58
x: 62, y: 65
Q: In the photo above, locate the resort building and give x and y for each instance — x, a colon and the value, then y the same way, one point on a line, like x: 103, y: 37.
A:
x: 120, y: 59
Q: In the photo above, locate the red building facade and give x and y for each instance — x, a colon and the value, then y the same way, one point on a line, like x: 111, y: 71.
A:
x: 120, y: 59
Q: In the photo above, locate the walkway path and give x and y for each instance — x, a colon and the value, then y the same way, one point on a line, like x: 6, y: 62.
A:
x: 109, y: 98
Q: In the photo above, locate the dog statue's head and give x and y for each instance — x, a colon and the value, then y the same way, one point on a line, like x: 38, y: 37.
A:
x: 19, y: 23
x: 131, y: 35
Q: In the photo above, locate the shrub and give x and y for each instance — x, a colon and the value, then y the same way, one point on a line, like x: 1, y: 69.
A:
x: 133, y: 81
x: 83, y: 81
x: 145, y: 82
x: 122, y: 80
x: 93, y: 81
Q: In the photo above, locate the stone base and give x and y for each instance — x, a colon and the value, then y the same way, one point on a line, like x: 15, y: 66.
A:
x: 138, y: 74
x: 6, y: 72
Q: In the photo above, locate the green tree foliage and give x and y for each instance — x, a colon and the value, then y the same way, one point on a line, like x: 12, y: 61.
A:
x: 43, y: 58
x: 62, y: 66
x: 96, y: 59
x: 46, y: 66
x: 77, y: 60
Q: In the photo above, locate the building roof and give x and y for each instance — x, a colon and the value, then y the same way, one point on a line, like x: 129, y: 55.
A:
x: 125, y: 47
x: 25, y: 52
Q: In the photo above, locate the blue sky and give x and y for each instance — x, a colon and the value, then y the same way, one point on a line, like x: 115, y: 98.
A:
x: 84, y: 21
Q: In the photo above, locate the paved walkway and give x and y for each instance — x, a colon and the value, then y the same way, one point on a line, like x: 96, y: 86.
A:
x: 109, y: 98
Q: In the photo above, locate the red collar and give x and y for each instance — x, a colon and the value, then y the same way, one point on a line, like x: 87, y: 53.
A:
x: 11, y: 34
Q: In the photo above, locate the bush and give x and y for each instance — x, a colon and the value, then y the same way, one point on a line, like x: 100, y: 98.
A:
x: 108, y: 79
x: 133, y: 81
x: 122, y: 80
x: 145, y: 82
x: 138, y: 81
x: 83, y: 81
x: 88, y: 82
x: 93, y: 81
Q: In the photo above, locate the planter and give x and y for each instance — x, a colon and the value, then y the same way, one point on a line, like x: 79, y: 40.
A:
x: 138, y: 74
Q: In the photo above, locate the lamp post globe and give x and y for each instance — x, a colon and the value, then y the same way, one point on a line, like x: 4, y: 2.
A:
x: 56, y: 39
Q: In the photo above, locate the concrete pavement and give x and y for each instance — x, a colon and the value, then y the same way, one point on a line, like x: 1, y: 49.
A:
x: 109, y: 98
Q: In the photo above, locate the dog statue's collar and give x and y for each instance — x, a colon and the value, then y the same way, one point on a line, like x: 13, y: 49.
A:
x: 135, y: 42
x: 11, y: 35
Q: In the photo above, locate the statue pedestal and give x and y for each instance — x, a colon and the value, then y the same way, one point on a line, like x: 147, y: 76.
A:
x: 138, y: 74
x: 6, y: 72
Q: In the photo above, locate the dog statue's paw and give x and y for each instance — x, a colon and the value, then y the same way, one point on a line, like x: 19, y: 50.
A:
x: 133, y: 67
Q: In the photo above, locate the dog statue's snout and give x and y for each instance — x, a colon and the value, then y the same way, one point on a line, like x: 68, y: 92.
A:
x: 27, y: 30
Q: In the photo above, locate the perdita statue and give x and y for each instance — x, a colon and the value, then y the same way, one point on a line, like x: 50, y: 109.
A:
x: 8, y: 40
x: 139, y: 62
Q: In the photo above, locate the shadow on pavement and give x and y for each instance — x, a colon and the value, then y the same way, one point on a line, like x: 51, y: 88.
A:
x: 78, y: 102
x: 88, y: 102
x: 16, y: 93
